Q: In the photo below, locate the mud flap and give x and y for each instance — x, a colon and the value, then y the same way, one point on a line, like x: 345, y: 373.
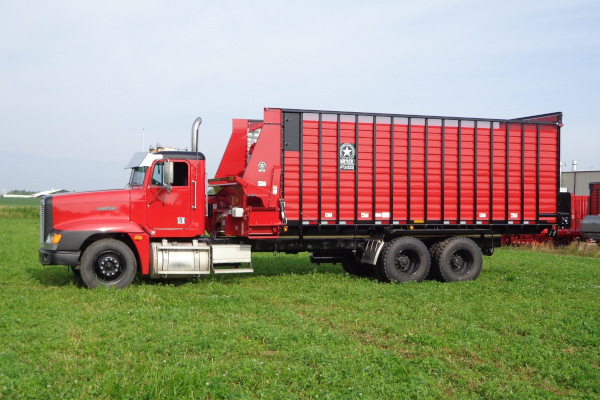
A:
x: 372, y: 250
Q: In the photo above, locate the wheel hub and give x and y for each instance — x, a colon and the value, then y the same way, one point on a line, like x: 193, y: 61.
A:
x: 403, y: 262
x: 457, y: 262
x: 109, y: 267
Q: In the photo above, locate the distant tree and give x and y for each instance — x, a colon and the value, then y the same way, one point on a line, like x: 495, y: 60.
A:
x: 21, y: 192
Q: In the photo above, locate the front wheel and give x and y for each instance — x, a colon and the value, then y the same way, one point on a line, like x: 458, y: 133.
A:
x: 108, y: 262
x: 76, y: 272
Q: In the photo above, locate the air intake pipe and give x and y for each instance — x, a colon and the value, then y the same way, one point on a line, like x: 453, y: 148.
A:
x: 195, y: 129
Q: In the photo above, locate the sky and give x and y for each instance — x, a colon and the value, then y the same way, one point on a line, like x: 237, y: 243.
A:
x: 84, y: 85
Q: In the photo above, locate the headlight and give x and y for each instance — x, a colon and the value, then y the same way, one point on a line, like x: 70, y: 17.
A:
x: 53, y: 238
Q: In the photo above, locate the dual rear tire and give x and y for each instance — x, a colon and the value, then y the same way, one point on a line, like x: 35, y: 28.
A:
x: 407, y: 259
x: 404, y: 259
x: 456, y: 259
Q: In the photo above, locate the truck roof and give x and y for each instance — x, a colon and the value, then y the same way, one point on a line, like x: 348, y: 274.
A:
x: 182, y: 155
x: 550, y: 118
x: 142, y: 159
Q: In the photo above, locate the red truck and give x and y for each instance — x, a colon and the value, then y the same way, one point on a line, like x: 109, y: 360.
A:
x: 401, y: 197
x: 559, y: 237
x: 590, y: 225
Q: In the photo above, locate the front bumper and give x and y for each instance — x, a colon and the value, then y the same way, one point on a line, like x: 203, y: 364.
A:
x: 53, y: 257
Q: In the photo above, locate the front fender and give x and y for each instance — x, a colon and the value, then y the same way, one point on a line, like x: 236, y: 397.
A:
x: 100, y: 226
x: 75, y: 234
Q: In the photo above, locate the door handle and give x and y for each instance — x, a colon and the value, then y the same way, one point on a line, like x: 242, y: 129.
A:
x: 195, y: 194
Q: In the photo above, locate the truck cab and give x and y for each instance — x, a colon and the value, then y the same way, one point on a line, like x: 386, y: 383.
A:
x: 167, y: 192
x: 112, y: 230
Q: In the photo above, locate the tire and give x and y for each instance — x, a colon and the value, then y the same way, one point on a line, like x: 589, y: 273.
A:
x: 353, y: 266
x: 76, y: 272
x: 350, y: 264
x: 404, y: 259
x: 458, y: 259
x: 434, y: 272
x: 109, y: 263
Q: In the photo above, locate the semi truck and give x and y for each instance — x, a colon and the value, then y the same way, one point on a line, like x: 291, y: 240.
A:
x: 395, y: 196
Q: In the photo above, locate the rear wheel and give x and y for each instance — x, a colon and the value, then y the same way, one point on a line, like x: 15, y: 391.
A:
x: 108, y: 262
x: 404, y: 259
x: 433, y: 270
x: 457, y: 259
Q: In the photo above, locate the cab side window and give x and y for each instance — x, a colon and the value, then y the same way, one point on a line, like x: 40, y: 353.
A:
x: 157, y: 174
x: 180, y: 174
x: 180, y: 177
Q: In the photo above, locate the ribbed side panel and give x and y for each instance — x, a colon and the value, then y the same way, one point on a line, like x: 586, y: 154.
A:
x: 594, y: 208
x: 413, y: 170
x: 579, y: 209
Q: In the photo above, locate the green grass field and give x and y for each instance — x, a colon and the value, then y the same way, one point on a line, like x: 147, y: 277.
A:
x: 17, y: 201
x: 529, y: 327
x: 19, y: 208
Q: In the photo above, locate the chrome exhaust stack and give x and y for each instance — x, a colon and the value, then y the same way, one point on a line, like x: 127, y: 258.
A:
x: 195, y: 129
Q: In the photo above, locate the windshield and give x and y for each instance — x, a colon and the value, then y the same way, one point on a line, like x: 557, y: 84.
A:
x: 137, y: 176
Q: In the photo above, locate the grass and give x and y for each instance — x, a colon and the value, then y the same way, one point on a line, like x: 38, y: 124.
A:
x: 529, y: 327
x: 14, y: 207
x: 19, y: 201
x: 575, y: 248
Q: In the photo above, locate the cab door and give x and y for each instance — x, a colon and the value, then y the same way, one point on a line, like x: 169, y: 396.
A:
x: 169, y: 206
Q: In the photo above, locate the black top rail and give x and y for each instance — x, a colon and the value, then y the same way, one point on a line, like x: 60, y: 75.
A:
x: 558, y: 114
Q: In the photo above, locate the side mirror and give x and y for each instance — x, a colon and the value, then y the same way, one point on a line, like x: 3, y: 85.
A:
x: 168, y: 173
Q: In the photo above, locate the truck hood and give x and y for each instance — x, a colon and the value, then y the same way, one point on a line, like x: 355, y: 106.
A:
x: 79, y: 209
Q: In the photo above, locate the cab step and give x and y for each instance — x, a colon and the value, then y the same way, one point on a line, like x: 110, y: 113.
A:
x: 233, y: 270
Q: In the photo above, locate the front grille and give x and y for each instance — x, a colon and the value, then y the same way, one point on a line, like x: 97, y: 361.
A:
x: 42, y: 220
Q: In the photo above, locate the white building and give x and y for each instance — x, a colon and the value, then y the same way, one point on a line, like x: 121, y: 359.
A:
x: 578, y: 182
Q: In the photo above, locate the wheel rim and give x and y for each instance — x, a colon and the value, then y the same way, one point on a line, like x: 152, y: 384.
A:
x: 407, y: 262
x: 109, y: 266
x: 461, y: 262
